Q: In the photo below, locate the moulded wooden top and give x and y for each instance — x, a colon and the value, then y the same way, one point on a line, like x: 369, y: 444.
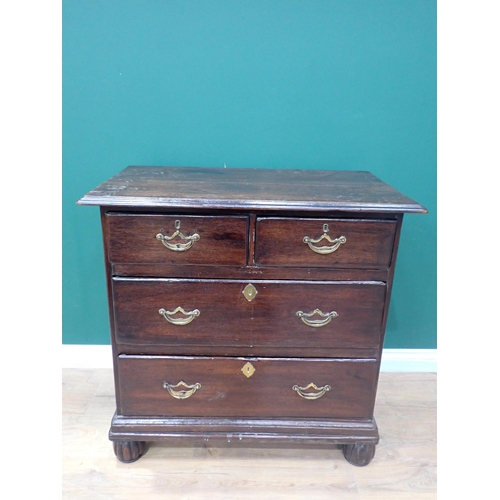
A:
x: 250, y: 188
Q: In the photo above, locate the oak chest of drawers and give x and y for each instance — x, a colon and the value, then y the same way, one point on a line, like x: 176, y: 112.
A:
x: 248, y: 304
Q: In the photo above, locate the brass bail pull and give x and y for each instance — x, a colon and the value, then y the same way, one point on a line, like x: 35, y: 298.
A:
x: 324, y: 249
x: 188, y: 316
x: 325, y: 318
x: 184, y: 393
x: 304, y: 392
x: 178, y: 247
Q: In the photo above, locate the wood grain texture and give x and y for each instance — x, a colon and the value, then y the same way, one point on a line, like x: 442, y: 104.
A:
x: 131, y: 239
x: 245, y: 431
x: 224, y: 390
x: 248, y: 188
x: 250, y: 272
x: 404, y: 466
x: 227, y: 318
x: 280, y: 242
x: 244, y: 221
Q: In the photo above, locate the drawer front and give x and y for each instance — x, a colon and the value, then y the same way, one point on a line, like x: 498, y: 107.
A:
x: 324, y: 242
x: 176, y: 240
x: 219, y: 313
x: 244, y: 387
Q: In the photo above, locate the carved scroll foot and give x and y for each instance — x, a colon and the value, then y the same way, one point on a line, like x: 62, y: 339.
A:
x: 129, y: 451
x: 358, y: 454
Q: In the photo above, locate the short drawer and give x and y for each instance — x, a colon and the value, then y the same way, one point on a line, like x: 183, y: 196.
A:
x: 176, y: 239
x: 324, y: 242
x: 246, y: 387
x: 274, y: 314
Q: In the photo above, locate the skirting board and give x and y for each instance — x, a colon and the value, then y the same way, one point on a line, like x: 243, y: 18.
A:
x: 393, y: 360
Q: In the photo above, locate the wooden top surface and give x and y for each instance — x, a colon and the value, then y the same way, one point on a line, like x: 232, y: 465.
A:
x: 250, y: 188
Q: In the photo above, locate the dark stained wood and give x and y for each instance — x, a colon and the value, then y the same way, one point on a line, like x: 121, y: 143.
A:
x: 203, y: 430
x: 390, y: 281
x: 109, y: 291
x: 226, y: 392
x: 129, y: 451
x: 359, y: 454
x: 311, y: 351
x: 251, y: 224
x: 280, y: 242
x: 132, y: 239
x: 248, y: 188
x: 227, y: 318
x: 250, y: 272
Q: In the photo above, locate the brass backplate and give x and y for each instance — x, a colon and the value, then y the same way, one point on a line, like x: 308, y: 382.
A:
x: 250, y: 292
x: 248, y: 370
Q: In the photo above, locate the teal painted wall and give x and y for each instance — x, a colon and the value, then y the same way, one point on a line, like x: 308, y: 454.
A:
x: 337, y: 84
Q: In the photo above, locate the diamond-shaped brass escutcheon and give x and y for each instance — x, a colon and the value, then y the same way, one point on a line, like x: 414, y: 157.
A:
x: 248, y: 370
x: 250, y: 292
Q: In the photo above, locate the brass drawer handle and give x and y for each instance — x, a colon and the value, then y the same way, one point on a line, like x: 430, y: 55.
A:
x: 323, y: 250
x: 190, y: 315
x: 316, y: 323
x: 178, y: 247
x: 301, y: 391
x: 183, y: 394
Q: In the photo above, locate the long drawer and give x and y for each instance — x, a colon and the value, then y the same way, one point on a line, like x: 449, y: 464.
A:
x: 246, y: 387
x: 334, y: 243
x: 176, y: 239
x: 216, y: 313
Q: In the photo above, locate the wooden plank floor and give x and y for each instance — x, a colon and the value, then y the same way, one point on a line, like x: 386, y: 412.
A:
x: 404, y: 466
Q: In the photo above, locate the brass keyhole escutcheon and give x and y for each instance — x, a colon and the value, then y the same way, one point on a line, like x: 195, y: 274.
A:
x: 250, y: 292
x: 248, y: 370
